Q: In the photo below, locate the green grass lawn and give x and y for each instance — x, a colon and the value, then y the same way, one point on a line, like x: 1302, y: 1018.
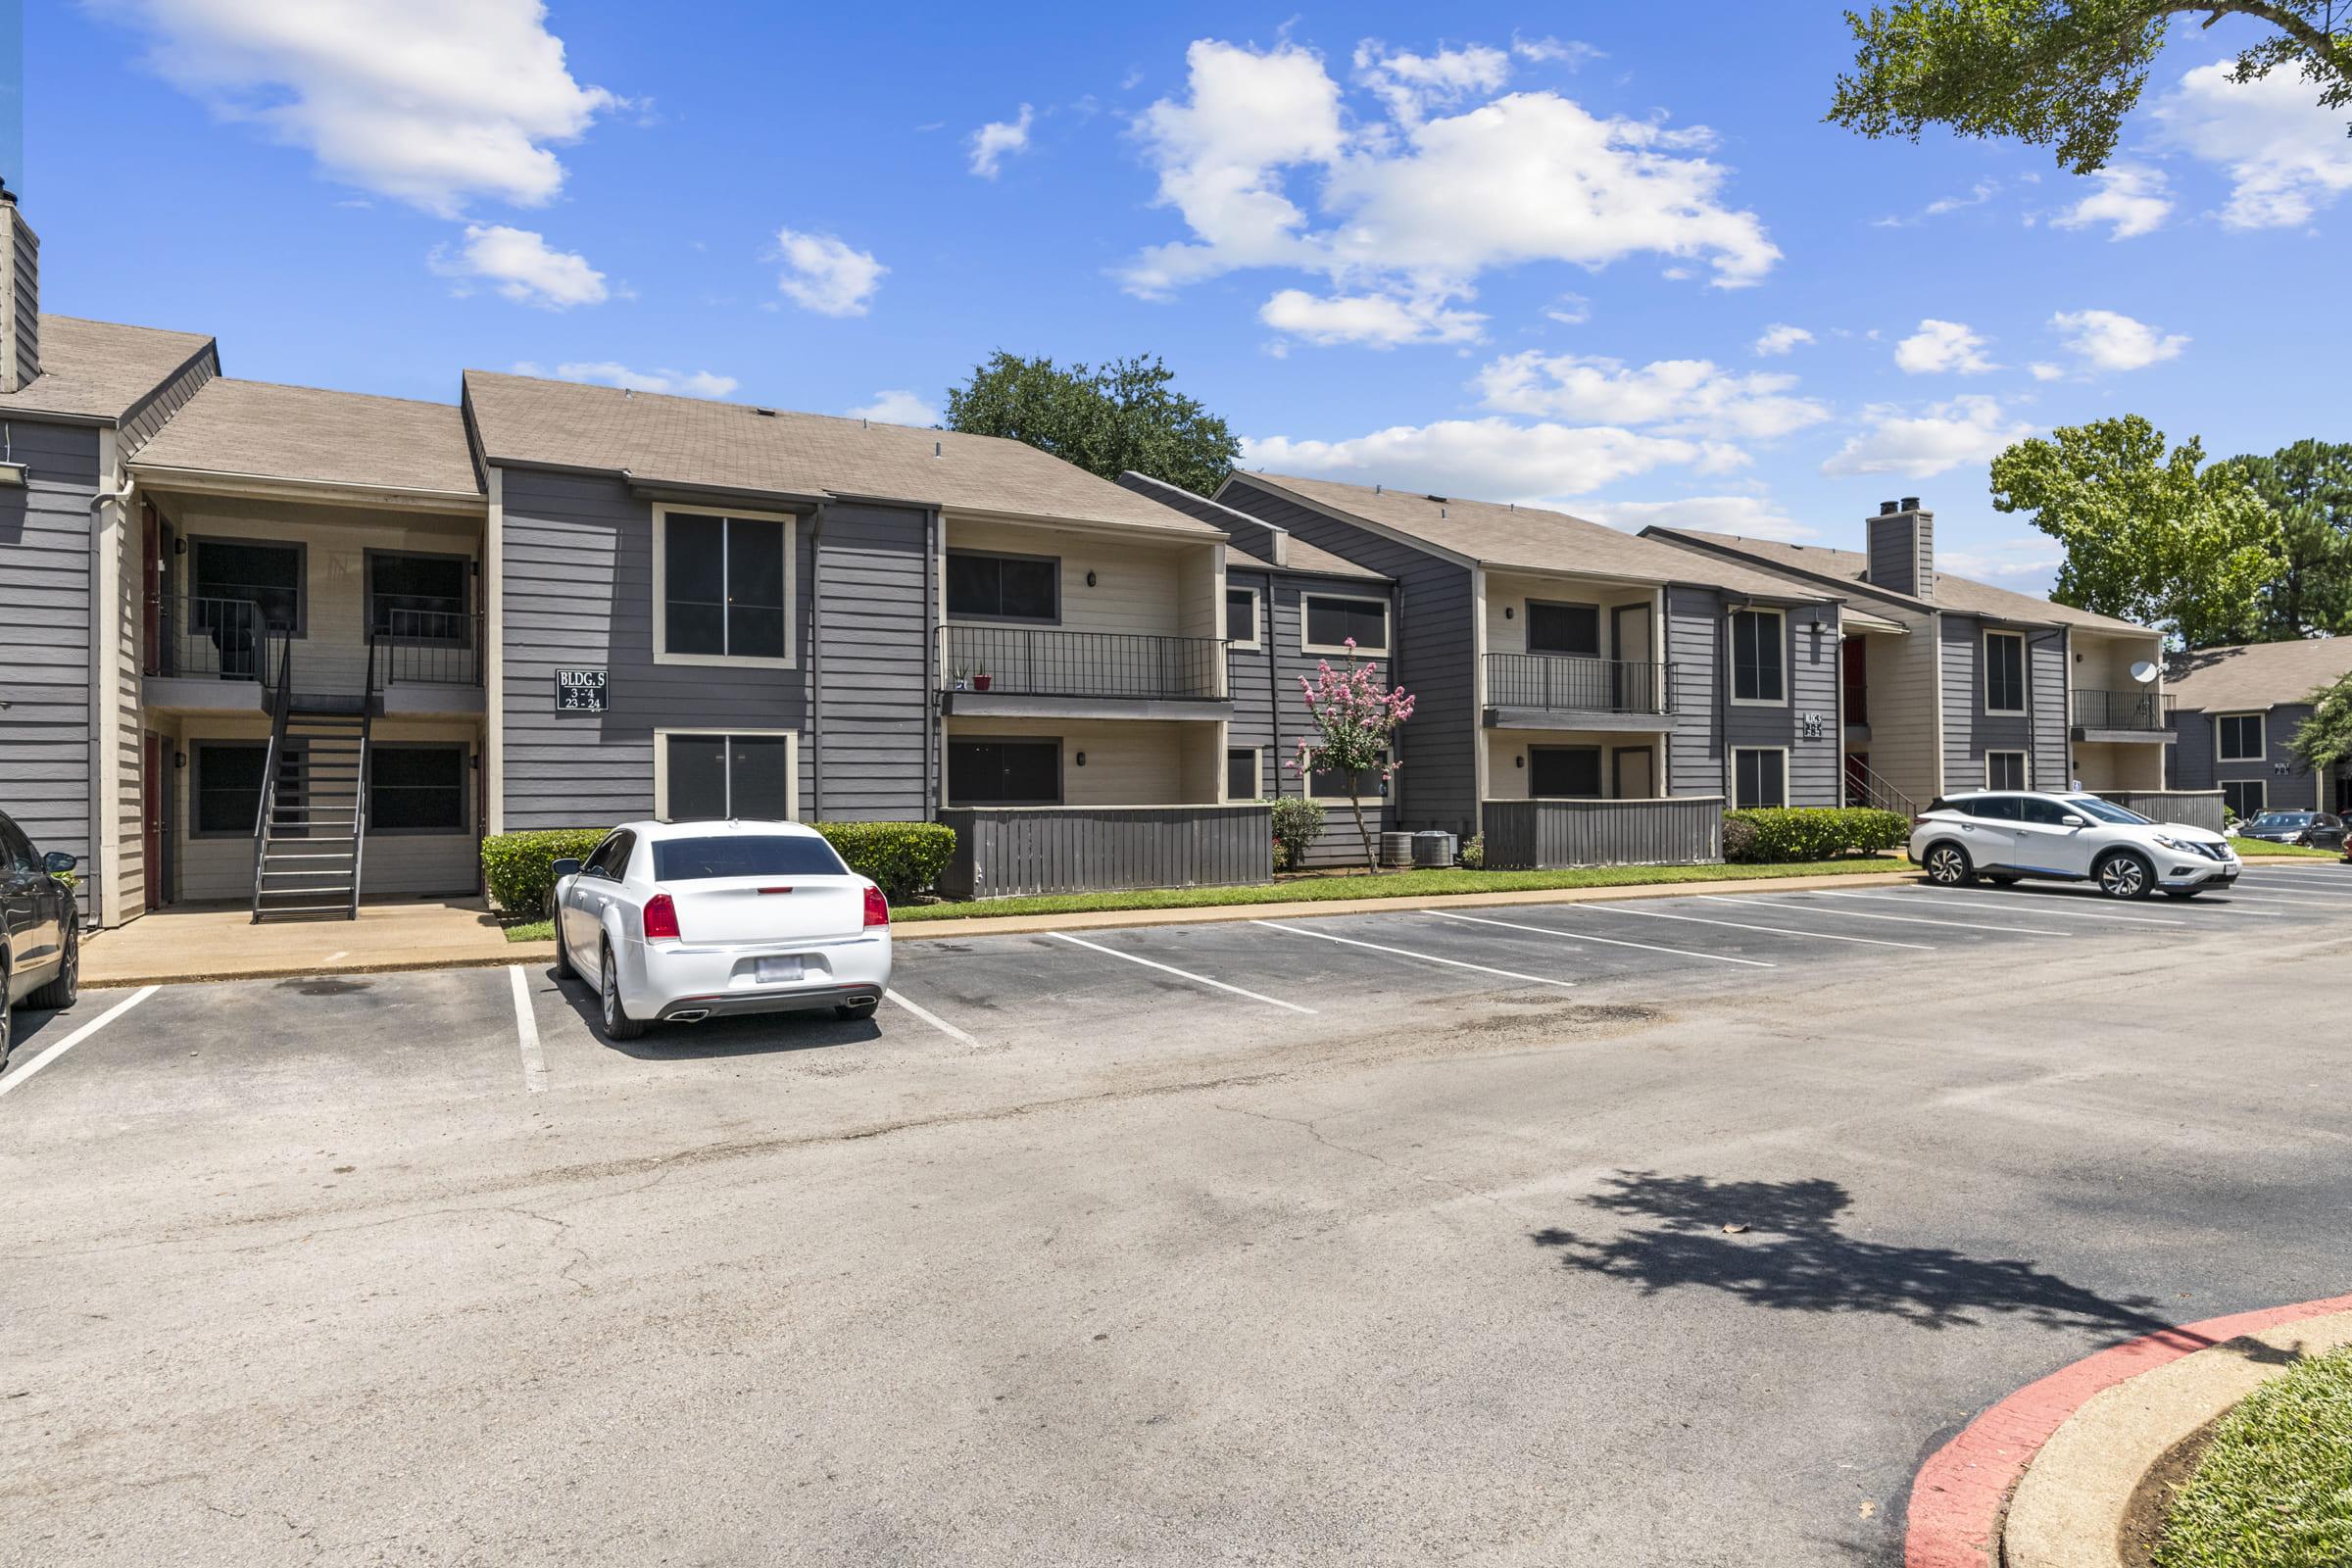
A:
x: 531, y: 931
x: 2274, y: 1487
x: 2246, y: 846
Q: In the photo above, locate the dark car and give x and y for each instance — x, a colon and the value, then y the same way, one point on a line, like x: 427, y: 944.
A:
x: 40, y: 931
x: 2318, y: 830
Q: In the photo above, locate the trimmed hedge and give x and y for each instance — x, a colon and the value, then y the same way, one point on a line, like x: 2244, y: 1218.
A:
x: 1792, y: 834
x: 901, y: 858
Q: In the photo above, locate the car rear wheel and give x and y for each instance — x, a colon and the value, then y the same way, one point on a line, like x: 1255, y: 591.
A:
x: 1948, y: 866
x: 619, y: 1025
x: 61, y: 991
x: 566, y: 969
x: 2124, y: 876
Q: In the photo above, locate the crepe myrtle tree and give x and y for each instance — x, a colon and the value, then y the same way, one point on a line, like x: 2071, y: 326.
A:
x: 1355, y: 720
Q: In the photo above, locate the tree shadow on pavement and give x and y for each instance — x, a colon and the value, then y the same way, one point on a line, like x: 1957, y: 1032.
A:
x: 1792, y: 1258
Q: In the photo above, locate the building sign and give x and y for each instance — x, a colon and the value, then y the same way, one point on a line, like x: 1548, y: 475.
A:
x: 1813, y: 725
x: 581, y: 691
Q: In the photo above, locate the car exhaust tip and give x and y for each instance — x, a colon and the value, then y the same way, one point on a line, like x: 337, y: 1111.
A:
x: 690, y: 1015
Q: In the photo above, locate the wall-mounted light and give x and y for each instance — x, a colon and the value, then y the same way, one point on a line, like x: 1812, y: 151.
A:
x: 1519, y: 761
x: 180, y: 759
x: 1089, y: 579
x: 1506, y: 611
x: 1081, y: 759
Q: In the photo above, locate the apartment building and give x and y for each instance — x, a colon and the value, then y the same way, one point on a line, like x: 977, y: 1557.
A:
x: 2237, y: 709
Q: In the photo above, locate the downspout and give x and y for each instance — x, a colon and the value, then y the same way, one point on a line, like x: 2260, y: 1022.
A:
x: 1274, y: 688
x: 931, y: 658
x: 816, y: 664
x: 103, y: 703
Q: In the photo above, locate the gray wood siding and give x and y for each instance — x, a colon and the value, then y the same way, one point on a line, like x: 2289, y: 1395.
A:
x: 877, y: 686
x: 1550, y: 835
x: 2197, y: 764
x: 2047, y: 699
x: 2189, y: 761
x: 46, y: 649
x: 1435, y: 657
x: 1694, y: 653
x: 1007, y: 851
x: 1969, y: 731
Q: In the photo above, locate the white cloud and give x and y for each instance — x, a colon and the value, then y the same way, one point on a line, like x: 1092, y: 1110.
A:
x: 2108, y: 340
x: 521, y: 265
x: 2044, y: 371
x: 2030, y: 558
x: 998, y: 140
x: 898, y: 407
x: 824, y: 274
x: 1570, y: 310
x: 1752, y: 517
x: 427, y: 101
x: 611, y: 372
x: 1781, y: 338
x: 2286, y: 156
x: 1679, y: 397
x: 1969, y: 429
x: 1563, y: 51
x: 1495, y: 458
x: 1380, y: 321
x: 1942, y: 346
x: 2133, y: 199
x: 1417, y: 203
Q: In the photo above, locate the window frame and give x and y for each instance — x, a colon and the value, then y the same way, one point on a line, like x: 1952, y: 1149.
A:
x: 2261, y: 788
x: 1257, y: 607
x: 2025, y: 695
x: 1061, y: 771
x: 1527, y: 633
x: 2024, y: 768
x: 2262, y: 734
x: 1257, y: 770
x: 468, y: 596
x: 1388, y: 626
x: 792, y: 765
x: 195, y: 790
x: 792, y: 567
x: 301, y: 630
x: 1600, y: 770
x: 1780, y: 752
x: 956, y: 618
x: 1307, y: 787
x: 465, y: 792
x: 1730, y: 650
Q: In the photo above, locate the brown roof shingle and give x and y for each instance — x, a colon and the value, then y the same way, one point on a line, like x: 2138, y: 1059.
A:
x: 101, y: 370
x: 309, y: 435
x: 2214, y: 680
x: 690, y: 441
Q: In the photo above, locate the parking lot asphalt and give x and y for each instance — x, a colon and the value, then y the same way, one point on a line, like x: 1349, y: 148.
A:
x: 1663, y: 1232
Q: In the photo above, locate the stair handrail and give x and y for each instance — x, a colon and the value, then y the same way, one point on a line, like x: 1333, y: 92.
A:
x: 359, y: 804
x: 282, y: 702
x: 1881, y: 795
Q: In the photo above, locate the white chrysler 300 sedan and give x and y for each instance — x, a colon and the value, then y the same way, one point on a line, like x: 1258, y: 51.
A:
x: 676, y: 922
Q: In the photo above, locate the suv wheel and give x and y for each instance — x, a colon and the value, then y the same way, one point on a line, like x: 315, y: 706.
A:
x: 61, y: 991
x: 2125, y: 875
x: 1948, y: 866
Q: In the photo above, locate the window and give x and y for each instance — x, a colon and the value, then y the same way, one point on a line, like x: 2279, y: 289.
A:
x: 1997, y: 809
x: 612, y: 858
x: 234, y: 570
x: 16, y: 851
x: 740, y: 854
x: 983, y: 587
x: 2043, y: 814
x: 1240, y: 774
x: 417, y: 789
x: 1328, y: 784
x: 1571, y: 629
x: 2241, y: 737
x: 1759, y: 657
x: 738, y: 777
x: 2099, y: 810
x: 2244, y: 796
x: 1241, y: 617
x: 418, y: 598
x: 722, y: 586
x: 2005, y: 771
x: 1328, y: 621
x: 1563, y: 771
x: 1759, y: 777
x: 1005, y: 772
x: 227, y: 794
x: 2004, y: 672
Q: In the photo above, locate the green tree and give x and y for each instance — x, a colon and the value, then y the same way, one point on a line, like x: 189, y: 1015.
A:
x: 2309, y: 486
x: 2062, y: 72
x: 2324, y: 739
x: 2149, y: 538
x: 1105, y: 418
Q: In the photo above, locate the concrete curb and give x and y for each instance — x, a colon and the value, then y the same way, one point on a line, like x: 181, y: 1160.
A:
x: 1957, y: 1501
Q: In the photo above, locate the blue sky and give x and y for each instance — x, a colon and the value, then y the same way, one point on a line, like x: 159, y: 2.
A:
x: 1542, y: 256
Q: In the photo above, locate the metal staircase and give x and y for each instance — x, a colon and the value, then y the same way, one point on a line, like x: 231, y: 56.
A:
x: 1863, y: 787
x: 311, y: 833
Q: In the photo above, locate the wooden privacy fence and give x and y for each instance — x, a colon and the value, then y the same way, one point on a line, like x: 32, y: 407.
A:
x: 2188, y: 808
x: 1550, y: 835
x: 1001, y: 850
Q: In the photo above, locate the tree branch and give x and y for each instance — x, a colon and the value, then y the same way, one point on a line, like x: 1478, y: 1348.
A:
x: 2286, y: 20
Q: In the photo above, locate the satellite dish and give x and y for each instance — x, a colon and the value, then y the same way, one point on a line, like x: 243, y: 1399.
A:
x: 2143, y: 672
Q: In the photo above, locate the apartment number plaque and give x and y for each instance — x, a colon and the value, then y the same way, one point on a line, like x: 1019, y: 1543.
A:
x: 582, y: 691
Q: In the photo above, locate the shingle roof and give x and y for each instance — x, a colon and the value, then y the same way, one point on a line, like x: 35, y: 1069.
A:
x: 1952, y: 592
x: 689, y: 441
x: 101, y: 370
x: 1246, y: 531
x: 309, y: 435
x: 2214, y: 680
x: 1300, y: 555
x: 1500, y: 535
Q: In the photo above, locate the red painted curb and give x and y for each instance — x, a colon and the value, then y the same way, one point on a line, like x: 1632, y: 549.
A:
x: 1956, y: 1501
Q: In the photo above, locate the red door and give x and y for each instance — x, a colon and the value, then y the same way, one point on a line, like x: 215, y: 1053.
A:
x: 151, y: 820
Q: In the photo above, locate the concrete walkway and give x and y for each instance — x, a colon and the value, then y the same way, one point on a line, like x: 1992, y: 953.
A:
x: 222, y: 942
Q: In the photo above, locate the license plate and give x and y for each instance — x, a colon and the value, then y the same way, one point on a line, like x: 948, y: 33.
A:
x: 774, y: 969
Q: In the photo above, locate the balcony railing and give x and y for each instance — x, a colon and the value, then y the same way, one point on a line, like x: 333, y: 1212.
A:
x: 427, y: 647
x: 1034, y: 661
x: 2126, y: 711
x: 1567, y: 684
x: 231, y: 639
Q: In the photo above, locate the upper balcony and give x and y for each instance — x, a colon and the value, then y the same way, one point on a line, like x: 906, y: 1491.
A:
x: 2141, y: 715
x: 1555, y: 691
x: 1566, y: 652
x: 211, y: 654
x: 1034, y: 671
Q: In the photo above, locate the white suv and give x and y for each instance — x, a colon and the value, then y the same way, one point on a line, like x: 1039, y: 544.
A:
x: 2006, y: 835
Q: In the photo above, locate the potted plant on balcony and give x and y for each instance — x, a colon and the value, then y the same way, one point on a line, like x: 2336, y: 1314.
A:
x: 1356, y: 720
x: 963, y: 676
x: 982, y: 680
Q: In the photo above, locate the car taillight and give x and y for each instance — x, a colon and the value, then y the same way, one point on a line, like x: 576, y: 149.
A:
x: 878, y: 908
x: 661, y: 919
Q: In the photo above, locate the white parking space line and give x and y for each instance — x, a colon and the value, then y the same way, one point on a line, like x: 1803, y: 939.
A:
x: 1900, y: 919
x: 1613, y: 942
x: 1182, y: 974
x: 2040, y: 904
x: 15, y: 1080
x: 526, y: 1033
x: 932, y: 1018
x: 1743, y: 925
x: 1407, y: 953
x: 2300, y: 900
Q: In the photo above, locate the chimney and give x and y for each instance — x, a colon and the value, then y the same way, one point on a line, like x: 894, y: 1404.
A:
x: 20, y: 297
x: 1903, y: 547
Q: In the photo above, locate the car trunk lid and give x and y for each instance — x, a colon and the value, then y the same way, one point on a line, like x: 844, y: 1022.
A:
x: 767, y: 909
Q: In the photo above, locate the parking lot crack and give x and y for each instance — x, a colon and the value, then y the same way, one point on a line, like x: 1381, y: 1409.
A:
x: 1312, y: 1127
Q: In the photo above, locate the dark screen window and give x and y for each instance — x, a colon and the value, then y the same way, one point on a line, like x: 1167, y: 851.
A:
x: 2042, y: 812
x: 729, y: 778
x: 2005, y: 771
x: 1241, y: 615
x: 1571, y: 629
x: 1002, y: 587
x: 2243, y: 795
x: 416, y: 787
x: 1330, y: 623
x: 1999, y: 809
x: 1759, y: 778
x: 420, y: 598
x: 1241, y: 775
x: 2241, y: 738
x: 1330, y: 784
x: 1003, y: 772
x: 2004, y: 673
x: 228, y: 787
x: 723, y: 586
x: 695, y: 860
x: 1759, y: 665
x: 1564, y: 771
x: 236, y: 571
